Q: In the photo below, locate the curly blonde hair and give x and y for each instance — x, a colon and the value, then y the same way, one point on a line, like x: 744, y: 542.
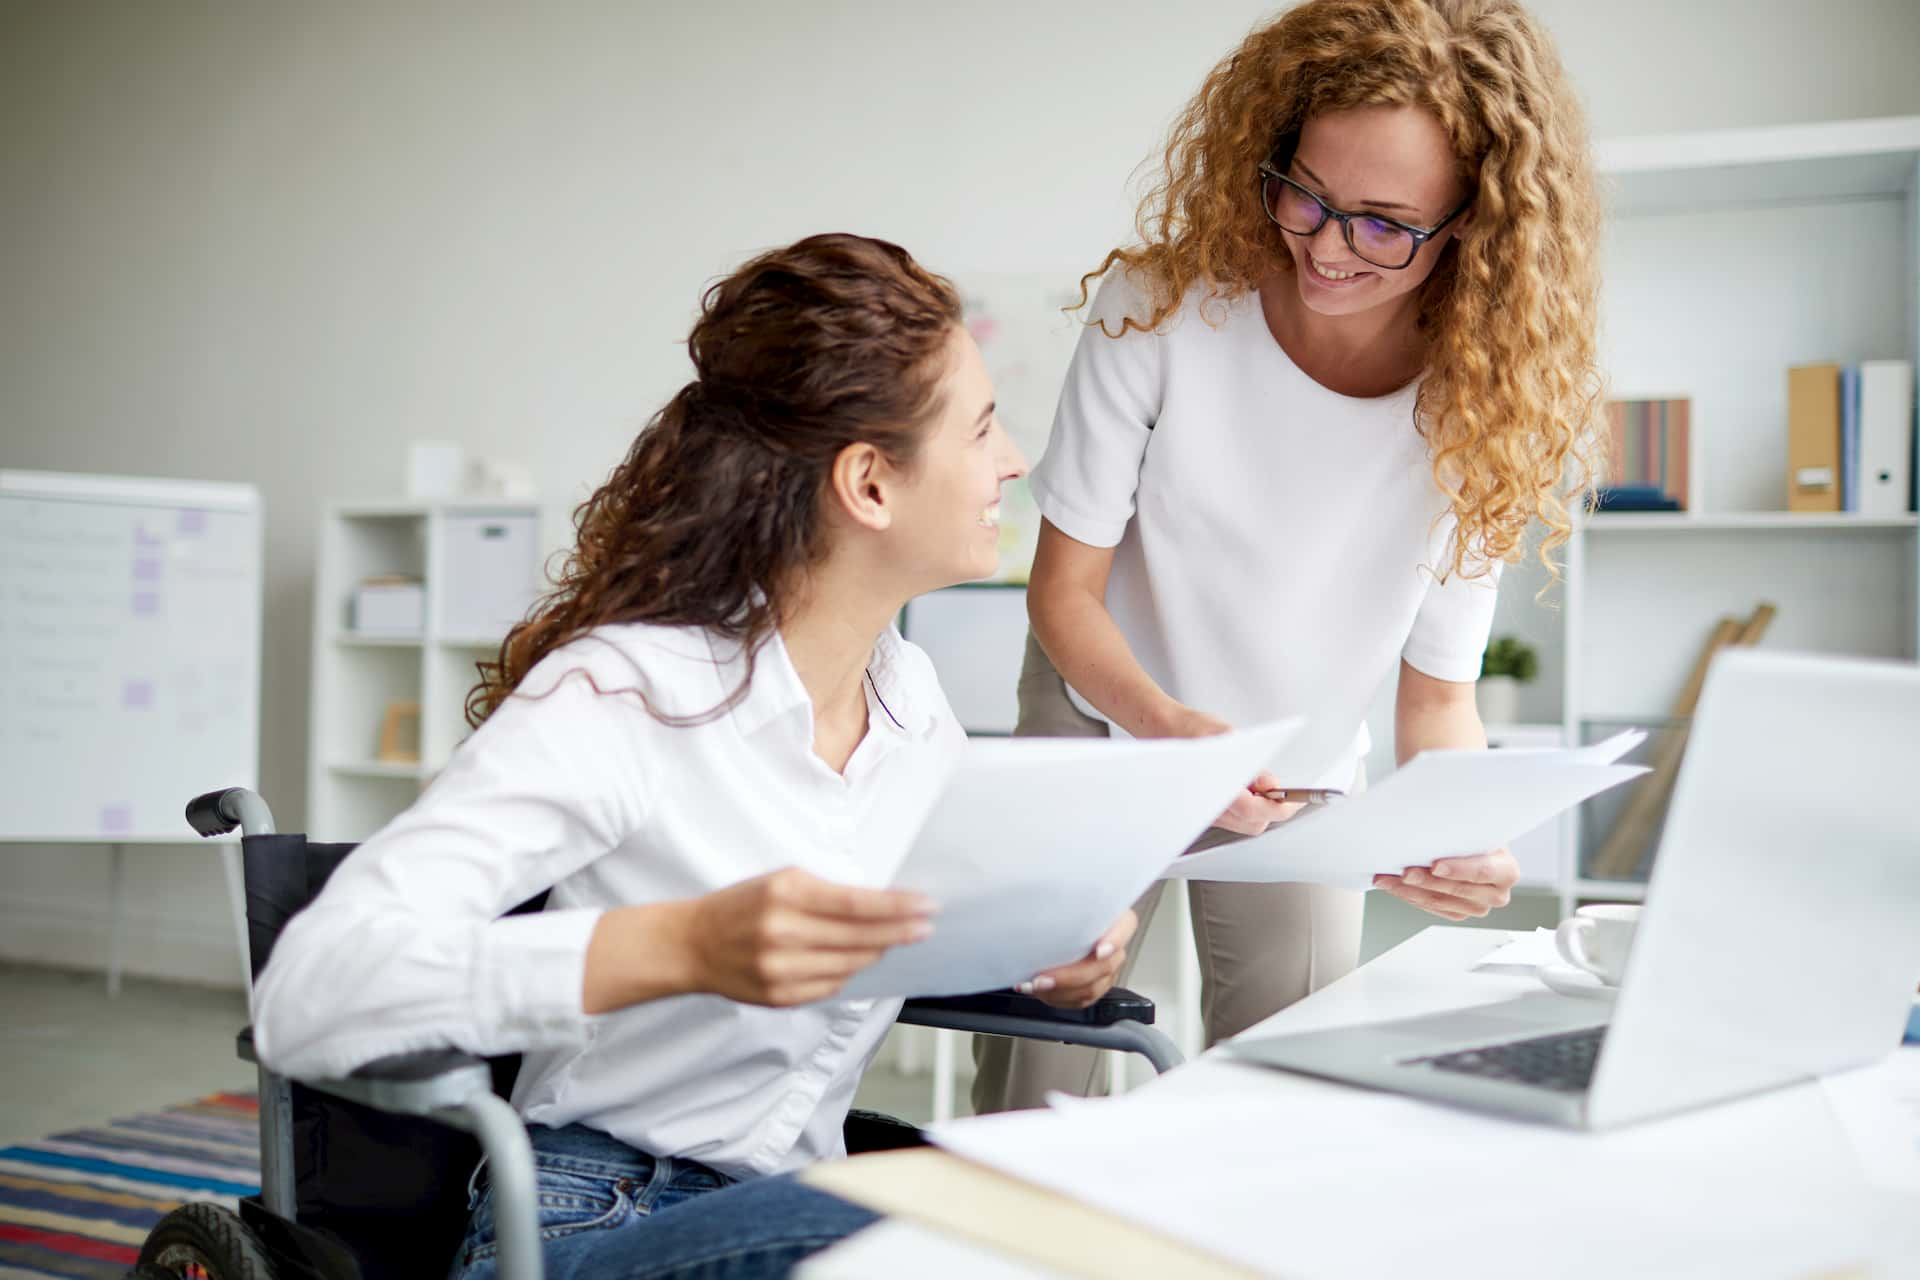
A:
x: 1511, y: 385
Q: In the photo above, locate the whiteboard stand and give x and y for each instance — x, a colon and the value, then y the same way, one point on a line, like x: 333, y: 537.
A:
x: 129, y: 665
x: 116, y: 878
x: 235, y: 877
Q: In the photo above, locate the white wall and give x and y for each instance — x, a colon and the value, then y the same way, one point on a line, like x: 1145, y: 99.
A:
x: 272, y: 242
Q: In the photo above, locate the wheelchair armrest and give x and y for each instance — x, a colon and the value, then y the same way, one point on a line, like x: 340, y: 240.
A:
x: 1118, y: 1005
x: 416, y: 1084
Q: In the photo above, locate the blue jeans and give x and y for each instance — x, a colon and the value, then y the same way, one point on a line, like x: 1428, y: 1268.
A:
x: 607, y: 1210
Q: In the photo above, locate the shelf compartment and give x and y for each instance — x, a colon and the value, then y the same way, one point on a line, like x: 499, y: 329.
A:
x: 383, y: 769
x: 1741, y: 168
x: 354, y: 640
x: 1759, y: 521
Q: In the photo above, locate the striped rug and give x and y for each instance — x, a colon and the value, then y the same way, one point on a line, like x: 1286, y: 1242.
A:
x: 78, y: 1205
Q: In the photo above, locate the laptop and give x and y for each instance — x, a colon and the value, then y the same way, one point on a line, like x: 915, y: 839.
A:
x: 1779, y: 941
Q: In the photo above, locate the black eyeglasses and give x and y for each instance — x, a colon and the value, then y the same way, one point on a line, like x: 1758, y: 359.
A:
x: 1374, y: 238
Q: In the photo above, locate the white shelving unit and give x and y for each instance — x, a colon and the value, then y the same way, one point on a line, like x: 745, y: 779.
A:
x: 350, y: 792
x: 1729, y: 257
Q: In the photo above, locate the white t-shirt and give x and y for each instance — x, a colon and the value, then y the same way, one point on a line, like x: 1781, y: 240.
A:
x: 1277, y: 543
x: 572, y: 784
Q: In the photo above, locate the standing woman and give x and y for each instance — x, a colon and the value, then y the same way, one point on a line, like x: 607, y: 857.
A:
x: 1350, y: 360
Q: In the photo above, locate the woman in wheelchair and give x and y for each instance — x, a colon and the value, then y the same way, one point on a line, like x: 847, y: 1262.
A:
x: 709, y: 743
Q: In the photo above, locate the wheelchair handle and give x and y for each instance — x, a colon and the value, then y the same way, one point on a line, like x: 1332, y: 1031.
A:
x: 218, y: 812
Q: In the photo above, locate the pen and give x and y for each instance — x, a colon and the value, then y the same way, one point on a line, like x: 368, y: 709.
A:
x: 1303, y: 795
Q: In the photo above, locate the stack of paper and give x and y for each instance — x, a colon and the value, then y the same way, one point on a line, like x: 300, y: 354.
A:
x: 1038, y: 844
x: 1343, y: 1182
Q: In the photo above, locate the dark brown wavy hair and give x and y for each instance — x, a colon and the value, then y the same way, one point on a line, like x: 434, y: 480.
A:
x: 834, y: 341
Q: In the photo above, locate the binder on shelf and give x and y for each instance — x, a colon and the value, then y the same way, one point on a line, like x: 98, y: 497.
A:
x: 1813, y: 437
x: 1886, y: 437
x: 1850, y: 437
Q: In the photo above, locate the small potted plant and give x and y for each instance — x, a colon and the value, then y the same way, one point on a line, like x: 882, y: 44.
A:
x: 1508, y: 663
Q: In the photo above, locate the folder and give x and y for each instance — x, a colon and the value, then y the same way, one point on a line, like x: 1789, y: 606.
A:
x: 1886, y: 436
x: 1850, y: 437
x: 1813, y: 437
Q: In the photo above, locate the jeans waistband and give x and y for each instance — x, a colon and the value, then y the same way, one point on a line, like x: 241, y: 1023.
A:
x: 595, y: 1150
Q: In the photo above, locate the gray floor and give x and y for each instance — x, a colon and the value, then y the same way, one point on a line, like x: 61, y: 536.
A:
x: 73, y: 1056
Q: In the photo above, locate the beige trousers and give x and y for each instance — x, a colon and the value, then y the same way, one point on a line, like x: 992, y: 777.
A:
x: 1262, y: 946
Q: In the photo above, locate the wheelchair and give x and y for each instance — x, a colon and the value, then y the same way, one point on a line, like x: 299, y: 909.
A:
x: 365, y: 1177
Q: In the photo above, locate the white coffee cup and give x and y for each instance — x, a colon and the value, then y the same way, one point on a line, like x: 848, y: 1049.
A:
x: 1598, y: 938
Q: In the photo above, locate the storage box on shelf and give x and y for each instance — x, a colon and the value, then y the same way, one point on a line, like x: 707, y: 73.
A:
x: 479, y: 565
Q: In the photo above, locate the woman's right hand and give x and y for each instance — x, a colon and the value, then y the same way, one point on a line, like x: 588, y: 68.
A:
x: 1251, y: 812
x: 784, y: 938
x: 790, y: 938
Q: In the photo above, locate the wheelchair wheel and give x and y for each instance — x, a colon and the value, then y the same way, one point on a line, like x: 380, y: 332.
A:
x: 203, y: 1242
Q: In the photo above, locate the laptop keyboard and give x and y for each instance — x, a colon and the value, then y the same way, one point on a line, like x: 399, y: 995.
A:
x: 1562, y: 1062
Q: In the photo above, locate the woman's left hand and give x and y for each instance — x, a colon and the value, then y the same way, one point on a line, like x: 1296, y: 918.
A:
x: 1457, y: 888
x: 1077, y: 985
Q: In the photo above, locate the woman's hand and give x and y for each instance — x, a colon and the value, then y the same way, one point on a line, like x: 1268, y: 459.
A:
x: 1251, y: 812
x: 1457, y: 888
x: 786, y: 938
x: 791, y: 938
x: 1077, y: 985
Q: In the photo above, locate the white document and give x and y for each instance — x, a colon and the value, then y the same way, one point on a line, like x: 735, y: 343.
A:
x: 1440, y: 804
x: 1606, y: 751
x: 1355, y: 1184
x: 1525, y: 951
x: 1879, y: 1108
x: 1038, y: 844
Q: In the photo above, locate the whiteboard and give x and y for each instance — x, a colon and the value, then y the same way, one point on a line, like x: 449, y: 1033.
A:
x: 129, y: 653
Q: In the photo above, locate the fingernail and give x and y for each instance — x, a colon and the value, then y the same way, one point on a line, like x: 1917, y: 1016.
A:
x: 1102, y: 951
x: 1024, y: 988
x: 1443, y: 870
x: 922, y: 931
x: 925, y: 906
x: 1042, y: 984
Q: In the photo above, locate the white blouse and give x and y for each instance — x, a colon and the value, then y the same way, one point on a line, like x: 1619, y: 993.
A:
x: 579, y: 789
x: 1276, y: 542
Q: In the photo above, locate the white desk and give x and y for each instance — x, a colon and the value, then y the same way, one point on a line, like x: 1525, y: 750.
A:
x: 1790, y: 1132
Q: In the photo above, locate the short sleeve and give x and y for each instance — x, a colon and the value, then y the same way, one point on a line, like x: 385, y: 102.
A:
x: 1450, y: 631
x: 1085, y: 482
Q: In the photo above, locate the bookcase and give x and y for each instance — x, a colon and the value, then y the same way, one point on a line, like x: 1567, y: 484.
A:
x: 357, y: 677
x: 1730, y: 256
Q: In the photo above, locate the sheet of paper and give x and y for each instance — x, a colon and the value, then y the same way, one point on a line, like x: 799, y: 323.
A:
x: 1606, y: 751
x: 1352, y: 1183
x: 1879, y: 1108
x: 1440, y: 804
x: 1526, y: 951
x: 1038, y: 844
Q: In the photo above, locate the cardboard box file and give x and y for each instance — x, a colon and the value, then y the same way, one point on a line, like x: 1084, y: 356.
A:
x: 1813, y: 437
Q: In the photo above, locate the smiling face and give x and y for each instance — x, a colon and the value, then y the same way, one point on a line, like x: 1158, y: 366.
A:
x: 947, y: 522
x: 1394, y: 161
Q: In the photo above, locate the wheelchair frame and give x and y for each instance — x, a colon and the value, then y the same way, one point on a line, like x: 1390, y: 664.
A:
x: 456, y: 1089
